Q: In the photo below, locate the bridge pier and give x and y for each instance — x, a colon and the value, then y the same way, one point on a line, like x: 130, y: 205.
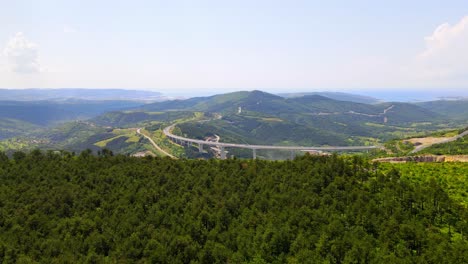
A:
x: 222, y: 152
x: 293, y: 149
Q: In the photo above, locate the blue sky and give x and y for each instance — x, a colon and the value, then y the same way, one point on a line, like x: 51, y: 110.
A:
x: 216, y: 46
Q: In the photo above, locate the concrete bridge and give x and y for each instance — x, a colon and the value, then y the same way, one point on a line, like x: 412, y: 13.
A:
x: 222, y: 146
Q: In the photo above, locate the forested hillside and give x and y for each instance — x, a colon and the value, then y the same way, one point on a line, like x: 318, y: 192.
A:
x: 137, y: 118
x: 336, y: 96
x: 48, y: 112
x: 13, y: 127
x: 269, y: 104
x: 55, y: 207
x: 113, y: 130
x: 304, y: 120
x: 454, y: 109
x: 268, y: 131
x: 31, y: 119
x: 253, y: 117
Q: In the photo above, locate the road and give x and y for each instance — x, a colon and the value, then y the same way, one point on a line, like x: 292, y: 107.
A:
x: 167, y: 132
x: 372, y: 115
x: 155, y: 145
x: 421, y: 147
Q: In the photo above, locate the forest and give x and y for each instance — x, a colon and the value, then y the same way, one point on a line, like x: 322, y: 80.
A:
x: 56, y: 207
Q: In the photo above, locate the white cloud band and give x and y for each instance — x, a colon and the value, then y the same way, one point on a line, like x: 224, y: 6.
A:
x: 22, y: 55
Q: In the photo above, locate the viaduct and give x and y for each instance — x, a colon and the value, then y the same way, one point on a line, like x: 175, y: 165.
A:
x: 222, y: 146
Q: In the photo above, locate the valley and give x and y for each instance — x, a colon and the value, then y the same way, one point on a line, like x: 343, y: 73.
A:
x: 250, y: 124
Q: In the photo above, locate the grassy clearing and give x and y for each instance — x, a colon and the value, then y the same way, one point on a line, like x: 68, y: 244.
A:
x: 272, y: 119
x: 103, y: 143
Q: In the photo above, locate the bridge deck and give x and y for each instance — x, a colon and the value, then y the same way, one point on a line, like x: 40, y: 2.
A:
x: 167, y: 132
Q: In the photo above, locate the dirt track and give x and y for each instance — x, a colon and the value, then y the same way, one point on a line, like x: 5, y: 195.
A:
x: 425, y: 158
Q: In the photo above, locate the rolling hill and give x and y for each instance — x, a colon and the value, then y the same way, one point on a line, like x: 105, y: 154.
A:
x: 253, y: 117
x: 45, y: 113
x: 20, y: 118
x: 269, y: 104
x: 336, y: 96
x: 257, y: 117
x: 454, y: 109
x: 13, y: 127
x: 221, y: 103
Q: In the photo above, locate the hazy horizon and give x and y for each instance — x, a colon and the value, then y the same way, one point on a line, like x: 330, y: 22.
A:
x: 208, y: 47
x: 407, y: 95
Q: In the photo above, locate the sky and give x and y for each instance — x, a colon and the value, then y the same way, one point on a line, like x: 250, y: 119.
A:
x: 213, y: 46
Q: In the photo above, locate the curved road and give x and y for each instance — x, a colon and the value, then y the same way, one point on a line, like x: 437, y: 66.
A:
x: 419, y: 148
x: 167, y: 132
x: 154, y: 144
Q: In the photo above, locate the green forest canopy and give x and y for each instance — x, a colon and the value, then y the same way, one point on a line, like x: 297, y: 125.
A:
x: 56, y: 207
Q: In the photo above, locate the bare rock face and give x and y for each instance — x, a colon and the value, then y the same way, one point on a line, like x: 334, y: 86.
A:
x: 429, y: 158
x: 456, y: 158
x: 425, y: 158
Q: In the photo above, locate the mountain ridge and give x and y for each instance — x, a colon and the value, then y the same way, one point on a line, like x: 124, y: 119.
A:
x: 340, y: 96
x: 252, y: 117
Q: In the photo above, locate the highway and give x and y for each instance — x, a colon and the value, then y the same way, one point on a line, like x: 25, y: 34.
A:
x: 167, y: 132
x: 419, y: 148
x: 154, y: 144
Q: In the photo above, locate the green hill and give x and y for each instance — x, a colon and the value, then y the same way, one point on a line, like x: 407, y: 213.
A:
x: 26, y: 118
x: 336, y: 96
x: 260, y: 118
x: 321, y: 104
x: 265, y: 103
x: 453, y: 109
x: 13, y: 127
x: 252, y: 117
x: 227, y: 103
x: 137, y: 118
x: 113, y: 130
x: 46, y: 113
x: 262, y: 130
x: 405, y: 113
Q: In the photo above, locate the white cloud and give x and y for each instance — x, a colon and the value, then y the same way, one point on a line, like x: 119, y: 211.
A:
x: 445, y: 58
x: 445, y: 36
x: 22, y: 55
